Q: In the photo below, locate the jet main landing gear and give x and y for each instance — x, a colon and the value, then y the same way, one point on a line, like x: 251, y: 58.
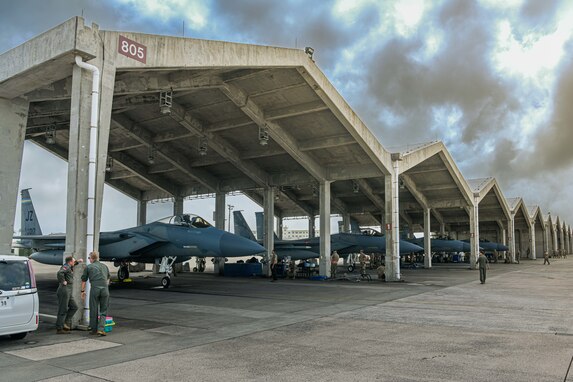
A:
x: 166, y: 266
x: 122, y: 271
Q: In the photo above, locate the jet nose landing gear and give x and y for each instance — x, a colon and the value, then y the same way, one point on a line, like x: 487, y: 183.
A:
x: 166, y: 266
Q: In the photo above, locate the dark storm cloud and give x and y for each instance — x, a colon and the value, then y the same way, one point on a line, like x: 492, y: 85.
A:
x: 458, y: 75
x: 538, y: 15
x: 296, y: 22
x: 553, y: 143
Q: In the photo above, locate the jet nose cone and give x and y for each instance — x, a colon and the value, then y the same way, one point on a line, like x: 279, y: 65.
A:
x: 236, y: 246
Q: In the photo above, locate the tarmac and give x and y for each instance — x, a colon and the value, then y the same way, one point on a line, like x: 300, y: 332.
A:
x: 440, y: 324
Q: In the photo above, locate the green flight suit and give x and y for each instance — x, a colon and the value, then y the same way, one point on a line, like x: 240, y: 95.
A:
x: 98, y: 276
x: 482, y: 261
x: 67, y: 306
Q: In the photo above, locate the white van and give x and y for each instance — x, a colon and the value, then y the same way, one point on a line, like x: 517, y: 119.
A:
x: 19, y: 310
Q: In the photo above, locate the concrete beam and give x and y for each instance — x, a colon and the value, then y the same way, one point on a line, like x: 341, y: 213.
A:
x: 295, y: 110
x: 349, y: 171
x: 141, y: 171
x: 369, y: 192
x: 152, y: 82
x: 327, y: 143
x: 414, y: 190
x: 166, y: 151
x: 305, y: 208
x: 242, y: 100
x: 220, y: 145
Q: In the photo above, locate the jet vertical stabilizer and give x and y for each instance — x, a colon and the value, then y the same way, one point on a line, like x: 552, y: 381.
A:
x: 241, y: 226
x: 29, y: 224
x: 260, y: 216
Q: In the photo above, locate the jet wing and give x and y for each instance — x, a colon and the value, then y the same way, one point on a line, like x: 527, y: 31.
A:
x: 41, y: 241
x: 134, y: 243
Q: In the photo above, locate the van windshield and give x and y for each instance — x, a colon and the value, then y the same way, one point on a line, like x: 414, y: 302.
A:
x: 14, y: 275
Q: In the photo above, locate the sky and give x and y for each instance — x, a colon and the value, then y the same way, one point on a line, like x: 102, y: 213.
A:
x: 492, y: 79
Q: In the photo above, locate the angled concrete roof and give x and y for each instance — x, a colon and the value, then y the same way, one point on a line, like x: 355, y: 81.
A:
x: 431, y: 179
x: 224, y: 94
x: 536, y: 216
x: 492, y: 203
x: 519, y: 212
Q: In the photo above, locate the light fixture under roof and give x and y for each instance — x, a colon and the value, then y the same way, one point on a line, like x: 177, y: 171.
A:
x: 51, y: 134
x: 263, y: 135
x: 151, y: 155
x: 203, y: 147
x: 166, y: 101
x: 355, y: 187
x: 109, y: 164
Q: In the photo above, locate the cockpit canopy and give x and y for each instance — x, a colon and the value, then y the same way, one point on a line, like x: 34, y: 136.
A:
x: 186, y: 220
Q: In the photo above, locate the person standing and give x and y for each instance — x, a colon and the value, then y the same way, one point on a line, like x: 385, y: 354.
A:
x: 362, y: 260
x: 546, y: 258
x: 98, y: 276
x: 483, y: 266
x: 67, y: 306
x: 517, y: 256
x: 334, y: 264
x: 274, y: 263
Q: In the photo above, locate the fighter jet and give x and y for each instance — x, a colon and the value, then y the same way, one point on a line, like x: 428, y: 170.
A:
x: 489, y: 246
x: 445, y: 245
x: 173, y: 239
x: 343, y: 243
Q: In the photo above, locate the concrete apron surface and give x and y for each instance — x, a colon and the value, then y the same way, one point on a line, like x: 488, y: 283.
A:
x: 438, y: 325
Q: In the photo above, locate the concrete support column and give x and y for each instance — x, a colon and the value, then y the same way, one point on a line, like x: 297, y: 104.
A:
x: 346, y: 222
x: 13, y: 120
x: 555, y: 245
x: 511, y: 230
x: 77, y: 195
x: 532, y: 243
x: 107, y: 85
x: 427, y: 239
x: 311, y: 228
x: 442, y: 229
x: 220, y: 199
x: 324, y: 262
x: 474, y: 234
x: 141, y: 212
x: 392, y: 211
x: 280, y: 228
x: 177, y: 205
x: 79, y: 137
x: 268, y: 225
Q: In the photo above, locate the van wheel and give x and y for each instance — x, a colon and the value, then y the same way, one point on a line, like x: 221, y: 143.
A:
x: 18, y: 336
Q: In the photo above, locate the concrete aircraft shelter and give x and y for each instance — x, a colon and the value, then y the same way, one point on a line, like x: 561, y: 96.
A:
x: 538, y: 236
x: 522, y: 229
x: 493, y: 211
x: 434, y: 195
x: 180, y: 117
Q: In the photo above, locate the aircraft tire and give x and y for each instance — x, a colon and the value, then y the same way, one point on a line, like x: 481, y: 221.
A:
x: 194, y: 269
x: 351, y: 268
x: 165, y: 281
x: 122, y: 273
